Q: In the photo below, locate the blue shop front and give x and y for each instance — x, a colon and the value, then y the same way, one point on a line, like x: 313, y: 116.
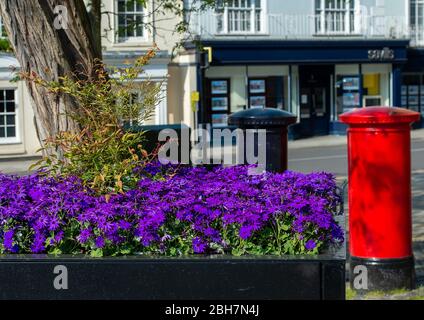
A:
x: 317, y: 80
x: 412, y: 90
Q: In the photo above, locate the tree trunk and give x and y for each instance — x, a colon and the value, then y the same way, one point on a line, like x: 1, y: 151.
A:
x: 43, y: 47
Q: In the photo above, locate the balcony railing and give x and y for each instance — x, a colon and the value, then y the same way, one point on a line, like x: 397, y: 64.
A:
x: 279, y: 26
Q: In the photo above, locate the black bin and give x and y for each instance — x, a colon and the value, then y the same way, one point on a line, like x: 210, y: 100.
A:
x: 275, y: 122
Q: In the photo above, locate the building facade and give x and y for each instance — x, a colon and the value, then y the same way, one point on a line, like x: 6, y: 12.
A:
x: 314, y: 58
x: 18, y: 137
x: 129, y: 30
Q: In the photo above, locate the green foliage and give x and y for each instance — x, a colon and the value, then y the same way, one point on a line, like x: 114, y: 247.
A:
x: 102, y: 153
x: 5, y: 45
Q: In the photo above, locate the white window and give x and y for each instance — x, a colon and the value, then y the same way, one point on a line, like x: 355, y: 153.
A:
x: 241, y: 16
x: 335, y: 16
x: 130, y: 24
x: 417, y: 21
x: 2, y: 30
x: 8, y: 118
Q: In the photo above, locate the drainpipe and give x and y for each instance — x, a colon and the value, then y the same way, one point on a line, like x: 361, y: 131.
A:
x: 153, y: 22
x: 289, y: 104
x: 246, y: 80
x: 361, y: 87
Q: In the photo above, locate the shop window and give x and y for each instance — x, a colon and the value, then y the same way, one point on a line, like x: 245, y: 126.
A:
x: 412, y: 94
x: 257, y: 93
x: 335, y: 16
x: 348, y: 93
x: 240, y: 16
x: 219, y: 101
x: 266, y: 92
x: 371, y: 90
x: 130, y: 20
x: 7, y: 115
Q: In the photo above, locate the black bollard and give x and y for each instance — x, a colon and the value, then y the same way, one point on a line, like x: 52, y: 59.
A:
x: 275, y: 123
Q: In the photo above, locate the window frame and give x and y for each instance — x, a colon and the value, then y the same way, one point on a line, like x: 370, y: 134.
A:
x: 224, y: 15
x: 2, y: 31
x: 133, y: 39
x: 17, y: 138
x: 416, y: 26
x: 322, y: 13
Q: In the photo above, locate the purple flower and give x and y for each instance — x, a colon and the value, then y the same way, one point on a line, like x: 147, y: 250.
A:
x: 38, y: 244
x: 171, y: 204
x: 310, y: 245
x: 199, y: 246
x: 100, y: 242
x: 246, y: 232
x: 84, y: 236
x: 8, y: 240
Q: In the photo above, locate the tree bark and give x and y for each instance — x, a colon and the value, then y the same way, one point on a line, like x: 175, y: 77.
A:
x: 51, y: 52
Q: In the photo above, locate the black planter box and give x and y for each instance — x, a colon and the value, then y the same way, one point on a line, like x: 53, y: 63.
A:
x: 161, y: 278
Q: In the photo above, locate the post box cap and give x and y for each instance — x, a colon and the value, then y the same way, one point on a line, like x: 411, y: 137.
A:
x: 267, y: 117
x: 377, y: 115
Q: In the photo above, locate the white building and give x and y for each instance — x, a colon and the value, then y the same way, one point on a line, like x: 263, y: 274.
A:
x: 314, y: 58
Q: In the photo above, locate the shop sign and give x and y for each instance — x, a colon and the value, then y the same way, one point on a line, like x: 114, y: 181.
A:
x: 381, y: 55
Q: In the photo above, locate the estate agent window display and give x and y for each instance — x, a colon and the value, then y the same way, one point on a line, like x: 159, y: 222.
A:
x: 257, y: 93
x: 219, y: 102
x: 350, y: 90
x: 412, y: 94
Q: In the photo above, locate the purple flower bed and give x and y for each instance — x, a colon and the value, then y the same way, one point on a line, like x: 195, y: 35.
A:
x: 173, y: 211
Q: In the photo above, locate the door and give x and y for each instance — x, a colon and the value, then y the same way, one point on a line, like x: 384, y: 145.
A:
x: 315, y: 83
x: 313, y: 115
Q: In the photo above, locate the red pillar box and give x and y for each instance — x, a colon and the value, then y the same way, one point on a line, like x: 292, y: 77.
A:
x: 380, y: 226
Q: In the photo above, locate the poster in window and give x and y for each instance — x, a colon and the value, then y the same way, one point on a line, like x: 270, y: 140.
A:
x: 413, y: 89
x: 404, y: 90
x: 257, y: 102
x: 372, y: 101
x: 350, y: 100
x: 219, y: 120
x: 413, y: 101
x: 257, y: 86
x: 404, y: 101
x: 219, y: 87
x: 219, y: 104
x: 351, y: 83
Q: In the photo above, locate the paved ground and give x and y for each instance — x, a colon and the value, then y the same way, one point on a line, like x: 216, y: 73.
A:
x: 16, y: 166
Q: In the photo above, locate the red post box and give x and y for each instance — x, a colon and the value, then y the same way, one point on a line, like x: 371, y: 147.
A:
x: 380, y: 217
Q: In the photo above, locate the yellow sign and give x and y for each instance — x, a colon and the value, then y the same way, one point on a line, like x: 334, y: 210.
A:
x: 372, y: 83
x: 195, y: 97
x: 209, y: 50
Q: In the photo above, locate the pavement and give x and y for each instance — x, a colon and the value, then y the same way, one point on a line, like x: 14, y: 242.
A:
x: 17, y: 165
